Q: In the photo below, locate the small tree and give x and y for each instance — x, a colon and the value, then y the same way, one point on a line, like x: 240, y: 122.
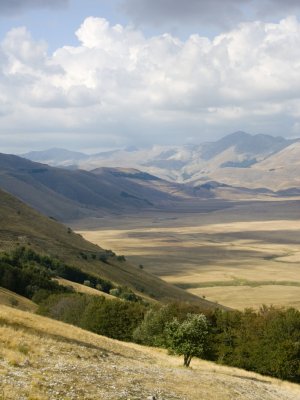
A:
x: 187, y: 338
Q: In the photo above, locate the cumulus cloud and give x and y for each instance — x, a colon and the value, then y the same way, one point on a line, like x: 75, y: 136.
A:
x: 118, y: 87
x: 13, y: 7
x: 219, y: 13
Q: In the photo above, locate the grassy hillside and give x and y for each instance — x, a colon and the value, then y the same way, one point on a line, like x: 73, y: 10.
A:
x: 46, y: 359
x: 79, y: 288
x: 12, y: 299
x: 23, y: 226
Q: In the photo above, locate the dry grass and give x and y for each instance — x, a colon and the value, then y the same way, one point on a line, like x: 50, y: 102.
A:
x: 12, y: 299
x: 256, y: 244
x: 46, y: 359
x: 83, y: 288
x: 241, y: 296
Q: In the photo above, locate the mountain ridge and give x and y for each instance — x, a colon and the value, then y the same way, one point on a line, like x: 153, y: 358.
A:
x: 67, y: 194
x: 219, y: 160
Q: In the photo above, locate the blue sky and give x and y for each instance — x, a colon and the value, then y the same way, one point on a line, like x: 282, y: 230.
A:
x: 57, y: 24
x: 99, y: 74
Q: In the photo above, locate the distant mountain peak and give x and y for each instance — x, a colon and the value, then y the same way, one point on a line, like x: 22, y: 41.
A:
x: 245, y: 143
x: 55, y: 155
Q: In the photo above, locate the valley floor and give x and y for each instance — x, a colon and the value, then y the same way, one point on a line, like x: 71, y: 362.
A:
x: 243, y: 256
x: 44, y: 359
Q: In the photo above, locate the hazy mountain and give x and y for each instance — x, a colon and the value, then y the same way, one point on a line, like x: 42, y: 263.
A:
x: 225, y: 160
x: 56, y: 156
x: 244, y: 144
x: 279, y: 172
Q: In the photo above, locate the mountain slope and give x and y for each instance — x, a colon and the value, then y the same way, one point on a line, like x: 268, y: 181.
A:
x: 47, y: 359
x: 66, y: 194
x: 279, y: 172
x: 24, y: 226
x: 56, y: 156
x: 244, y: 143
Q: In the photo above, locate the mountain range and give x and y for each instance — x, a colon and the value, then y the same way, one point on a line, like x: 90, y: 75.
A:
x: 239, y: 166
x: 238, y: 159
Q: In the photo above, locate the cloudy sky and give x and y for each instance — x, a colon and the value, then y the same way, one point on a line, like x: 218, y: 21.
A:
x: 98, y: 74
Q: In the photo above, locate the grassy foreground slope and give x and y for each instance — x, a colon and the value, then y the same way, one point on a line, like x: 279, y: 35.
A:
x: 12, y: 299
x: 24, y: 226
x: 46, y: 359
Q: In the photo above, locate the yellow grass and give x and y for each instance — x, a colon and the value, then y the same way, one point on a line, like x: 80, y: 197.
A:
x: 83, y: 288
x: 236, y: 244
x: 241, y: 296
x: 12, y: 299
x: 46, y: 359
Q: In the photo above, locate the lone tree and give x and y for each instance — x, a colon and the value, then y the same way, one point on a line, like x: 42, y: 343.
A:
x: 187, y: 338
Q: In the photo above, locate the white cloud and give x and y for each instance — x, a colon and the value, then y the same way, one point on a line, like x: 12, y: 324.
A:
x: 118, y: 83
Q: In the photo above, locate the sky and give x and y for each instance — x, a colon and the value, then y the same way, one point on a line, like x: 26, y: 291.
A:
x: 101, y: 74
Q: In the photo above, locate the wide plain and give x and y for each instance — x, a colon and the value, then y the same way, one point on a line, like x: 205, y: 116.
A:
x: 244, y: 256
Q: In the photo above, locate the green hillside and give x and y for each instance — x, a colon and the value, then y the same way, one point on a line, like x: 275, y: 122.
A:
x: 22, y: 226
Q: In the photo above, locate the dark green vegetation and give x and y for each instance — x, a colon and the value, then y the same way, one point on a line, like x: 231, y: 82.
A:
x: 187, y: 338
x: 27, y: 273
x: 266, y: 341
x: 113, y: 318
x: 22, y: 226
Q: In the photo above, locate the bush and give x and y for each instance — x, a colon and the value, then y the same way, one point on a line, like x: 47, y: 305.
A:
x: 114, y: 318
x: 68, y: 308
x: 187, y: 338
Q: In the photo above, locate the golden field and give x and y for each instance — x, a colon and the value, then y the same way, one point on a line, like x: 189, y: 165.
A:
x: 241, y: 257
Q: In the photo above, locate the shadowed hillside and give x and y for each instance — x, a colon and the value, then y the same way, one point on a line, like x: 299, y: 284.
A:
x: 68, y: 195
x: 23, y: 226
